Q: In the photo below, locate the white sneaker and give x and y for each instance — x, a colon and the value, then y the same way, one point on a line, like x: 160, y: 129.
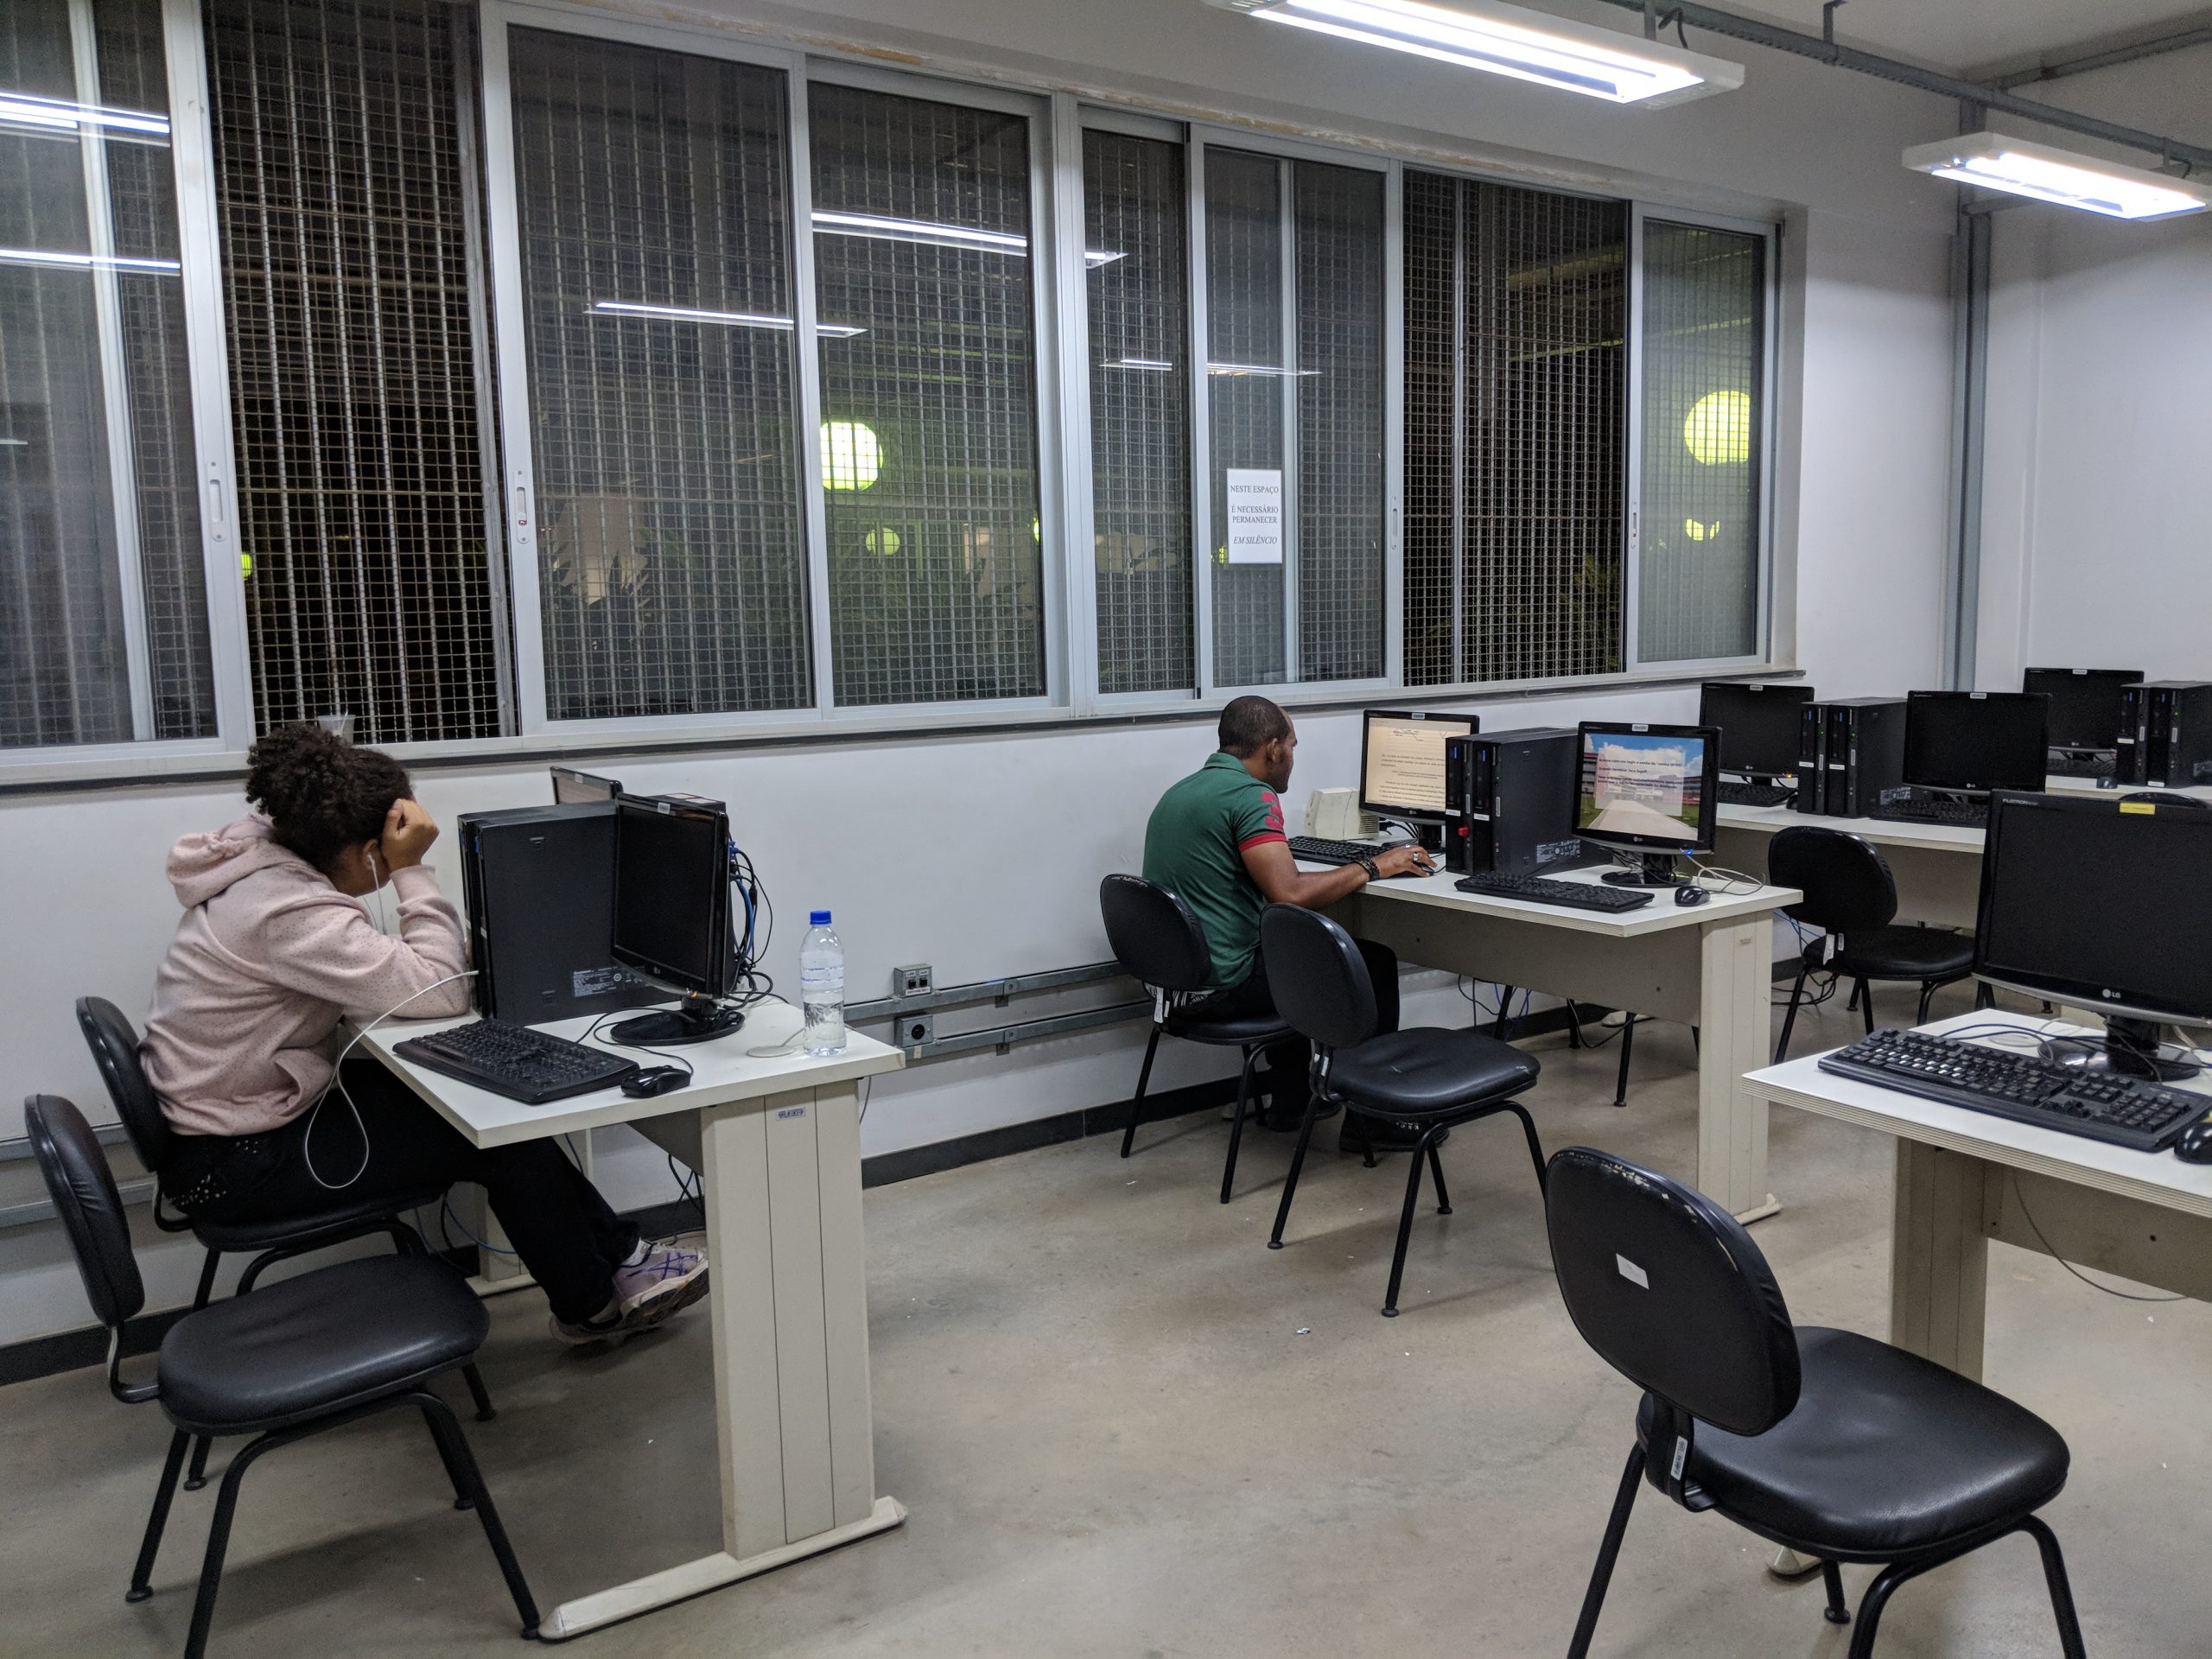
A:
x: 650, y: 1290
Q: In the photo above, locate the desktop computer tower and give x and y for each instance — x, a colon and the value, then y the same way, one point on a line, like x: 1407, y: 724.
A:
x: 1508, y: 803
x: 1812, y: 758
x: 538, y: 882
x: 2165, y: 734
x: 1864, y: 755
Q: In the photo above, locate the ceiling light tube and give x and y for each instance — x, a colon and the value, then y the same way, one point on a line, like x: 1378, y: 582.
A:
x: 2064, y: 176
x: 947, y: 236
x: 1512, y: 41
x: 85, y: 261
x: 23, y: 110
x: 733, y: 319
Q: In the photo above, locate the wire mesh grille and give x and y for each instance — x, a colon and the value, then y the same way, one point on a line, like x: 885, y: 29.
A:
x: 930, y: 411
x: 1433, y: 386
x: 1135, y: 204
x: 1245, y: 303
x: 362, y: 465
x: 672, y: 569
x: 1704, y: 319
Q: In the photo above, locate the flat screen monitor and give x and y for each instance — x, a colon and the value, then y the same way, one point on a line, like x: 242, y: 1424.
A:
x: 1757, y: 724
x: 671, y: 892
x: 2084, y: 703
x: 572, y: 788
x: 1650, y: 788
x: 1975, y: 740
x: 1401, y: 760
x: 2100, y: 903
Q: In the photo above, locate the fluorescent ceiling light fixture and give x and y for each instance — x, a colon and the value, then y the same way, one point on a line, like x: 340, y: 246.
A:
x: 1158, y: 364
x: 23, y: 109
x: 1507, y: 40
x: 84, y: 261
x: 945, y: 236
x: 1258, y: 368
x: 2064, y: 176
x: 733, y: 319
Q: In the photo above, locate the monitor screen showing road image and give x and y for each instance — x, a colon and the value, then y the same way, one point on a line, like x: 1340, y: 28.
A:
x: 1645, y: 789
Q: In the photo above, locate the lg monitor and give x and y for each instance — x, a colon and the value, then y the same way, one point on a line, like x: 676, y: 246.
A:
x: 672, y: 914
x: 2084, y: 711
x: 1648, y: 790
x: 574, y: 788
x: 2101, y: 904
x: 1402, y: 762
x: 1974, y: 741
x: 1758, y: 725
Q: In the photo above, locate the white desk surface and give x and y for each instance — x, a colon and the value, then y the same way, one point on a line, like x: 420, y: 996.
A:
x: 1662, y: 913
x: 2154, y: 1177
x: 723, y: 1070
x: 1942, y: 837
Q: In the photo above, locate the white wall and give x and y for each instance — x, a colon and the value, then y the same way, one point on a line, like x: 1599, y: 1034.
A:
x: 981, y: 856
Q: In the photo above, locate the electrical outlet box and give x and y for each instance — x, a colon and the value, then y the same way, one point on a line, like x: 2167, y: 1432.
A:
x: 917, y: 1030
x: 916, y: 981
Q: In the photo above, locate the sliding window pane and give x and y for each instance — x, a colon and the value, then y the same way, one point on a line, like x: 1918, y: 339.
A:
x: 655, y: 207
x: 1704, y: 322
x: 1434, y: 387
x: 1135, y: 214
x: 1245, y: 371
x: 922, y: 228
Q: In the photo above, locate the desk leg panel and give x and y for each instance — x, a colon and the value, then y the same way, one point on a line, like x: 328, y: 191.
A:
x: 1734, y: 995
x: 734, y: 1148
x: 844, y: 1303
x: 1939, y: 1266
x: 802, y: 1346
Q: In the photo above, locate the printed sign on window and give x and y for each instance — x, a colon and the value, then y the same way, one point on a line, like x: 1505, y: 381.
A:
x: 1255, y: 515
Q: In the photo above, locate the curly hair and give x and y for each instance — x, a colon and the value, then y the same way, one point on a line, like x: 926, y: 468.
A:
x: 321, y: 794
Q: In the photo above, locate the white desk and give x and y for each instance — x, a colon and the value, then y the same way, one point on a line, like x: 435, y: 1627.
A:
x: 777, y: 1144
x: 1709, y: 965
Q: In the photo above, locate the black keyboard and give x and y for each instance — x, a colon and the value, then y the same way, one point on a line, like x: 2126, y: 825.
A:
x: 1935, y: 809
x: 2100, y: 1105
x: 1543, y: 890
x: 1755, y: 794
x: 524, y: 1064
x: 1314, y: 850
x: 2081, y: 763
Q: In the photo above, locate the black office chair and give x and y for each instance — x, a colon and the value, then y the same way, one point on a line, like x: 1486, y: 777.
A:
x: 1429, y: 1077
x: 1156, y: 938
x: 1833, y: 1445
x: 1851, y: 897
x: 115, y: 1051
x: 306, y: 1354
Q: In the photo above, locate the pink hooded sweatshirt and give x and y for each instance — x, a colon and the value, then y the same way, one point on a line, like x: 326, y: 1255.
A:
x: 267, y: 958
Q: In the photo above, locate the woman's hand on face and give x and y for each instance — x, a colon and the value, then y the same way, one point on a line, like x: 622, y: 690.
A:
x: 408, y: 832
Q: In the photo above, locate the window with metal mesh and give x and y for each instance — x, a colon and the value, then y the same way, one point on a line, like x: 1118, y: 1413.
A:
x: 923, y: 228
x: 1135, y: 209
x: 1704, y: 418
x: 1515, y: 417
x: 1246, y: 366
x: 344, y: 161
x: 103, y: 587
x: 655, y: 215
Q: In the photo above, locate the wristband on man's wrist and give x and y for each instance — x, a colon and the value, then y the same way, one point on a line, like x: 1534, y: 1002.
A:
x: 1367, y: 863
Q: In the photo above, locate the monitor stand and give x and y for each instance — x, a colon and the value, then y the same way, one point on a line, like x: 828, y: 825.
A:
x: 1656, y: 871
x: 2132, y: 1051
x: 694, y: 1020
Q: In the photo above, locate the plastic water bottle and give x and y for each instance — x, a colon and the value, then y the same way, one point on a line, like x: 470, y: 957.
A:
x: 822, y: 987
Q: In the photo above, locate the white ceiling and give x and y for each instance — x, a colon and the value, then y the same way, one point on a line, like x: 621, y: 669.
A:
x: 1970, y: 34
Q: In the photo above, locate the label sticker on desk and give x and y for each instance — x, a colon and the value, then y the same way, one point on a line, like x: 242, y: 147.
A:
x: 1633, y: 1274
x: 790, y: 1111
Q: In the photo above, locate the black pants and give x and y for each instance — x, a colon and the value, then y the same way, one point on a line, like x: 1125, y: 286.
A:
x: 1284, y: 1067
x: 560, y: 1227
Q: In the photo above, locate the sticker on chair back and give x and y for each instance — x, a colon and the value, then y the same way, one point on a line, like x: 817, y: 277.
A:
x: 1633, y: 1274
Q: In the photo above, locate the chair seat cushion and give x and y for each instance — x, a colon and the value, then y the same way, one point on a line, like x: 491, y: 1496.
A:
x: 1885, y: 1453
x: 326, y: 1339
x: 1429, y: 1071
x: 1265, y: 1026
x: 1904, y: 953
x: 245, y: 1235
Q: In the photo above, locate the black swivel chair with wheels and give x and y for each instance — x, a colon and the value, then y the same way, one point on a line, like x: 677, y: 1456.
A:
x: 306, y: 1353
x: 1833, y: 1445
x: 1851, y: 897
x: 115, y: 1051
x: 1156, y: 938
x: 1430, y: 1077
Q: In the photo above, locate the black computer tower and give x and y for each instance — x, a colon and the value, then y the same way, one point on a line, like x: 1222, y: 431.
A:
x: 1812, y: 758
x: 1864, y: 755
x: 2165, y: 734
x: 539, y: 885
x: 1508, y: 803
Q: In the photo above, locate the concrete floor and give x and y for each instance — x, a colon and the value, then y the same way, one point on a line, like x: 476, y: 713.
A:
x: 1125, y: 1428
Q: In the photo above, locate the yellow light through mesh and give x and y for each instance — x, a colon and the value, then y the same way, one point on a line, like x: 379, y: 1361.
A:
x: 1718, y: 430
x: 885, y: 541
x: 851, y: 457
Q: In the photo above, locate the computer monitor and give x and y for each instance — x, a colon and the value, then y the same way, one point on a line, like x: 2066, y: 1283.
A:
x: 1975, y: 741
x: 2084, y: 703
x: 1648, y: 790
x: 672, y: 914
x: 2103, y: 904
x: 1402, y: 762
x: 573, y: 788
x: 1758, y: 725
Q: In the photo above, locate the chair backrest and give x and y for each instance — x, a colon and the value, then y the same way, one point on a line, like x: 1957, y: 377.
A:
x: 1317, y: 977
x: 1669, y: 1290
x: 1154, y: 934
x: 115, y: 1050
x: 82, y: 1189
x: 1846, y: 880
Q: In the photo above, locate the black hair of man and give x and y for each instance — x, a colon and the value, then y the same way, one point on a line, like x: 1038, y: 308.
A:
x: 1250, y: 724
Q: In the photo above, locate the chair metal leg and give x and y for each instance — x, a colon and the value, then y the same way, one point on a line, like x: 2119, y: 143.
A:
x: 1927, y: 991
x: 1789, y: 1015
x: 1297, y: 1163
x: 1858, y: 990
x: 1866, y: 1005
x: 1628, y: 1046
x: 2061, y: 1593
x: 219, y: 1540
x: 1573, y: 1026
x: 1601, y: 1574
x: 199, y: 1297
x: 1838, y: 1611
x: 1436, y: 1170
x: 196, y: 1477
x: 1504, y: 1003
x: 1536, y: 1147
x: 452, y: 1446
x: 142, y: 1571
x: 485, y: 1411
x: 1406, y: 1222
x: 1136, y: 1101
x: 1236, y: 1124
x: 463, y: 1496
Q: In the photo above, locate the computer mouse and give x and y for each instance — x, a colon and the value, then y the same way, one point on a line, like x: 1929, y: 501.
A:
x: 654, y: 1080
x: 2195, y: 1146
x: 1691, y: 895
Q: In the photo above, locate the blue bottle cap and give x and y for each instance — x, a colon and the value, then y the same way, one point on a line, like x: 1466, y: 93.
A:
x: 817, y: 919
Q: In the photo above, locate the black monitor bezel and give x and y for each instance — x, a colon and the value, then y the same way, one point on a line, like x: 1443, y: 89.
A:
x: 2118, y: 678
x: 716, y: 983
x: 1392, y: 808
x: 1794, y: 694
x: 614, y: 785
x: 1708, y: 804
x: 1918, y: 700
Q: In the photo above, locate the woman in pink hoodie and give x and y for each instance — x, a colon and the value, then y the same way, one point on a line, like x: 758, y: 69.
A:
x: 275, y: 947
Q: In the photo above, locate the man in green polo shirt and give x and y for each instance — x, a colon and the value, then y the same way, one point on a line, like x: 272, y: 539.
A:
x: 1216, y: 839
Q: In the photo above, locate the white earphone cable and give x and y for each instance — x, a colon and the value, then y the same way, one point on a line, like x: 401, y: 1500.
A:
x: 306, y: 1141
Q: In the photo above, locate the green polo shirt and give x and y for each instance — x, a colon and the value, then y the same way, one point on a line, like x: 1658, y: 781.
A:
x: 1194, y: 846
